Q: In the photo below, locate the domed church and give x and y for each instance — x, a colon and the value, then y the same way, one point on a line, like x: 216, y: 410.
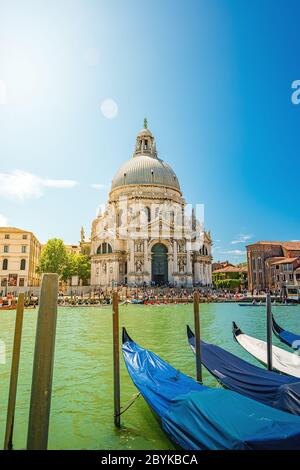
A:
x: 145, y: 235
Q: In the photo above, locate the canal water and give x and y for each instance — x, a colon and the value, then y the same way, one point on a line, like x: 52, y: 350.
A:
x: 82, y: 399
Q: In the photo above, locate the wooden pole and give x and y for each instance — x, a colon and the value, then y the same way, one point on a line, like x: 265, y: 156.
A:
x: 197, y: 338
x: 116, y: 359
x: 8, y: 441
x: 269, y: 332
x: 41, y: 388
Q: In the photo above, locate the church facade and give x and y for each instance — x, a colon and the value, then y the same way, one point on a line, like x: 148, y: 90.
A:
x: 145, y: 236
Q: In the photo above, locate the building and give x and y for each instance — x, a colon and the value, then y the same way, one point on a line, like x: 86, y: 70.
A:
x: 220, y: 265
x: 144, y: 236
x: 230, y: 276
x: 19, y: 257
x: 273, y: 265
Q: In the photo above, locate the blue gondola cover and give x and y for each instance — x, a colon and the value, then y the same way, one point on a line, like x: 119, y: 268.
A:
x: 270, y: 388
x: 196, y: 417
x: 285, y: 336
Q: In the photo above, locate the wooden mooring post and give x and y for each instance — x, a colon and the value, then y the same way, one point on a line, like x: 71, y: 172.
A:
x: 39, y: 414
x: 116, y: 359
x: 197, y: 338
x: 269, y: 332
x: 8, y: 440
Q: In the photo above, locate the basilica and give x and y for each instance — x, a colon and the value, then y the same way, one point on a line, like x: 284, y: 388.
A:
x: 145, y: 235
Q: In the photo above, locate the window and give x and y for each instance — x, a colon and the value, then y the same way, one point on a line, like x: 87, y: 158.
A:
x: 24, y: 237
x: 7, y: 236
x: 119, y: 218
x: 104, y: 248
x: 24, y: 248
x: 291, y: 277
x: 254, y: 277
x: 3, y: 282
x: 259, y: 263
x: 6, y: 248
x: 23, y: 265
x: 148, y: 214
x: 5, y: 264
x: 21, y: 282
x: 277, y: 277
x: 253, y: 264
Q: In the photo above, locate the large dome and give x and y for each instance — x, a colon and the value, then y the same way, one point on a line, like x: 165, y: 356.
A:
x: 145, y: 170
x: 145, y: 167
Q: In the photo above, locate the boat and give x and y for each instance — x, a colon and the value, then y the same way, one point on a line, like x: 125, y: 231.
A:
x: 251, y: 305
x: 137, y: 301
x: 287, y: 337
x: 196, y: 417
x: 276, y: 390
x: 8, y: 307
x: 283, y: 361
x: 263, y: 304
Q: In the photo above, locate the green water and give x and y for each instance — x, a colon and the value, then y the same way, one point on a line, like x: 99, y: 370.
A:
x: 82, y: 398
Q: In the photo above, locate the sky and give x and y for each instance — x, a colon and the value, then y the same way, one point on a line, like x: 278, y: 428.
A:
x: 214, y: 79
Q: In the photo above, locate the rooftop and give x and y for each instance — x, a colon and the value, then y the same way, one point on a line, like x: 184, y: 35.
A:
x: 288, y: 245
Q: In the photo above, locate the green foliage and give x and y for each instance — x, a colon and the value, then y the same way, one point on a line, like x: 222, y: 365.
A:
x: 228, y: 283
x: 56, y: 259
x: 53, y: 257
x: 84, y: 267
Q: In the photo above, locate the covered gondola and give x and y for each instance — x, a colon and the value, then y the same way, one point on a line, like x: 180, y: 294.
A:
x: 283, y: 361
x: 196, y: 417
x: 270, y: 388
x: 287, y: 337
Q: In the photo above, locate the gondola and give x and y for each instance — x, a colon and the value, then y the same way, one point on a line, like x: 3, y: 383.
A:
x: 285, y: 336
x: 137, y: 301
x: 251, y: 305
x: 196, y: 417
x: 263, y: 305
x: 283, y: 361
x: 8, y: 307
x: 270, y: 388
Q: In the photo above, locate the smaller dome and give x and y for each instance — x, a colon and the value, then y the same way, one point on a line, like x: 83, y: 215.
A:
x: 145, y: 132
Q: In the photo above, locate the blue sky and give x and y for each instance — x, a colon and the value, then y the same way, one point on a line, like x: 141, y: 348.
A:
x: 213, y: 78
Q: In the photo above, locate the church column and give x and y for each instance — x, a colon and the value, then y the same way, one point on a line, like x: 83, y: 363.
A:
x: 131, y: 256
x: 188, y: 262
x: 201, y: 273
x: 116, y: 271
x: 175, y: 262
x: 205, y: 274
x: 147, y: 265
x: 209, y: 274
x: 170, y: 267
x: 197, y: 271
x: 131, y: 275
x: 189, y: 278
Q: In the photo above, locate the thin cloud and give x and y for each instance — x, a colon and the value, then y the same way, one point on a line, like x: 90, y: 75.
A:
x: 20, y: 185
x: 234, y: 252
x: 3, y: 221
x: 99, y: 186
x: 241, y: 239
x: 60, y: 184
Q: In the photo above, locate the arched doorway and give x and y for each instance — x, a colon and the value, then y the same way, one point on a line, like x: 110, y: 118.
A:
x: 159, y: 264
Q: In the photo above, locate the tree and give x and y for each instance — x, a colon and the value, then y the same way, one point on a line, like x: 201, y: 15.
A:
x: 53, y: 257
x: 70, y: 267
x: 83, y: 267
x: 76, y: 265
